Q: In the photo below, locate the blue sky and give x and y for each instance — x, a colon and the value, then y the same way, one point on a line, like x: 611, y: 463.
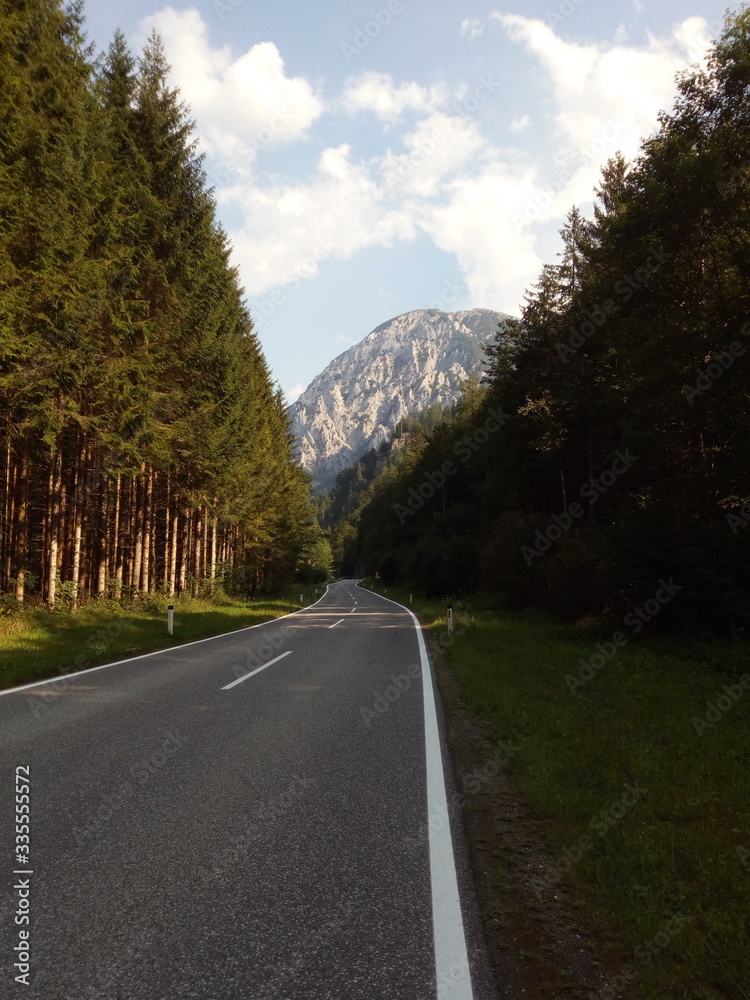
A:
x: 373, y: 158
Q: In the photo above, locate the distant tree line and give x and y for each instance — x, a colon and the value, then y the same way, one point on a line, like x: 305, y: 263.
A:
x: 618, y: 453
x: 339, y: 509
x: 144, y: 446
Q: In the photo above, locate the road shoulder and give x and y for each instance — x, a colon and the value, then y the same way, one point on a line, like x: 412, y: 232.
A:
x: 538, y: 941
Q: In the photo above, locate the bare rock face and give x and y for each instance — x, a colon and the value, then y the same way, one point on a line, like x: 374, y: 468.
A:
x: 405, y: 365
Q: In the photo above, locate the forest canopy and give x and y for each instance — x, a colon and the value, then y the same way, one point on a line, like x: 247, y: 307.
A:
x: 144, y: 445
x: 620, y: 461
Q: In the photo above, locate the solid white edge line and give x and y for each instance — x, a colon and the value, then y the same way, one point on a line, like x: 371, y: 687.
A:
x: 452, y: 970
x: 257, y: 670
x: 335, y: 623
x: 156, y: 652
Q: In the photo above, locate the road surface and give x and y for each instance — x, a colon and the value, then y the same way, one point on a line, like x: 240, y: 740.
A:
x: 260, y: 815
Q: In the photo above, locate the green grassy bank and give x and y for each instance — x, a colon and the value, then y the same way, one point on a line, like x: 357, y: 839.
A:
x: 638, y: 763
x: 36, y: 643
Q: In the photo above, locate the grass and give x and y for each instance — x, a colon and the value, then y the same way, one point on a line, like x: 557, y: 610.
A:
x: 681, y: 844
x: 36, y: 643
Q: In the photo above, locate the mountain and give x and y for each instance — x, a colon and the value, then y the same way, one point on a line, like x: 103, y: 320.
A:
x: 403, y: 366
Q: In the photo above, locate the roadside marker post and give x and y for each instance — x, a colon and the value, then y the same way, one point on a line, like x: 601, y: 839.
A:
x: 450, y: 618
x: 170, y: 619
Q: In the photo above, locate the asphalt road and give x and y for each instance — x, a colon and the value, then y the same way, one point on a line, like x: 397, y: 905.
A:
x: 255, y: 816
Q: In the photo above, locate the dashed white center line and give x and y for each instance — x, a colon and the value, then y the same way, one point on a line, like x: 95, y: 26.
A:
x: 256, y: 671
x: 336, y: 623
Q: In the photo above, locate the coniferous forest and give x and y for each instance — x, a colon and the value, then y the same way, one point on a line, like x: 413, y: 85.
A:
x: 609, y: 455
x: 144, y: 446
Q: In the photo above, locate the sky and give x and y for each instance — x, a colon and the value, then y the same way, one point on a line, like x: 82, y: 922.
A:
x: 369, y: 159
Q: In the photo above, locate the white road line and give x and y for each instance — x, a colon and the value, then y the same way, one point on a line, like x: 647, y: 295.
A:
x: 257, y: 670
x: 336, y: 623
x: 451, y: 959
x: 352, y: 609
x: 156, y: 652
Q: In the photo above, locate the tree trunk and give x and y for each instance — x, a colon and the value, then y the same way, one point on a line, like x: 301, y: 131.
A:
x: 204, y: 542
x: 148, y: 504
x: 214, y: 529
x: 173, y: 553
x: 184, y: 547
x: 102, y: 563
x: 77, y: 524
x: 197, y: 551
x: 22, y: 526
x: 137, y: 522
x: 67, y: 508
x: 5, y: 566
x: 53, y: 520
x: 117, y: 546
x: 11, y: 480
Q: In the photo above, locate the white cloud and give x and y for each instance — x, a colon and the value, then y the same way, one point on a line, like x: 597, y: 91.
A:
x: 377, y: 92
x: 622, y: 34
x: 594, y: 84
x: 438, y: 147
x: 519, y: 124
x: 472, y: 27
x: 441, y: 175
x: 497, y: 259
x: 289, y: 228
x: 694, y: 36
x: 241, y: 103
x: 292, y: 395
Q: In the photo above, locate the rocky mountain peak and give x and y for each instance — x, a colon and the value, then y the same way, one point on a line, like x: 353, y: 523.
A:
x: 403, y: 366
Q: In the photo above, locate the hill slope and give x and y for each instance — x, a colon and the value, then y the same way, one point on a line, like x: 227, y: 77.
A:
x: 411, y: 362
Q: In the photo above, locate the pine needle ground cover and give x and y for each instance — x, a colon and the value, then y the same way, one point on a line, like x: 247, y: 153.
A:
x: 36, y: 643
x: 641, y: 776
